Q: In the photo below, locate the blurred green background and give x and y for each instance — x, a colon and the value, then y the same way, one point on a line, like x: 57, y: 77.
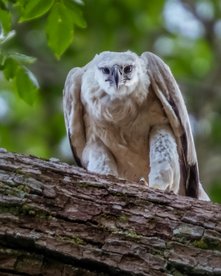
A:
x: 185, y: 34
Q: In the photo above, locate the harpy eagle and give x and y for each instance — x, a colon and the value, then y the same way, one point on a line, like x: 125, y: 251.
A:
x: 126, y: 116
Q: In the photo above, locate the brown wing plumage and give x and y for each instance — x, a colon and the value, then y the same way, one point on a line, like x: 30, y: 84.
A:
x: 166, y: 89
x: 73, y: 113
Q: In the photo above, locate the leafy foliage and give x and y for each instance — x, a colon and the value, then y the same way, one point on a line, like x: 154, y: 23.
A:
x: 62, y: 17
x: 34, y: 9
x: 13, y: 66
x: 59, y: 29
x: 44, y: 39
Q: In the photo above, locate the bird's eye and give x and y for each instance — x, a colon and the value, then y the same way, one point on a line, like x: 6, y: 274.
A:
x: 105, y: 70
x: 128, y: 69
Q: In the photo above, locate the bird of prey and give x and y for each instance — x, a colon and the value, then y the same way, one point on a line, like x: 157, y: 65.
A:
x: 126, y: 116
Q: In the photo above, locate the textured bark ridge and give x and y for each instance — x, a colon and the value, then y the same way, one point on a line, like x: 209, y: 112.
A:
x: 56, y: 219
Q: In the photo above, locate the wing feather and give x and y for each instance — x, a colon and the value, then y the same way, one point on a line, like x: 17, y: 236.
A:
x: 74, y: 112
x: 166, y: 89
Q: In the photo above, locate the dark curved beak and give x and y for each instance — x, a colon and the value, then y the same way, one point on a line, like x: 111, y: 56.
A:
x: 115, y: 76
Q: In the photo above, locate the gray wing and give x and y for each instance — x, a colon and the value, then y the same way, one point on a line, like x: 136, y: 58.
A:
x: 166, y: 89
x: 74, y: 112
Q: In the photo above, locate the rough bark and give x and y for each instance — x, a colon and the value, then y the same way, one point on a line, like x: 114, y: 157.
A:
x: 57, y: 219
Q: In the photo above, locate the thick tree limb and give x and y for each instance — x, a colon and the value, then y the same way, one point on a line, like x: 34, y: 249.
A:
x: 57, y: 219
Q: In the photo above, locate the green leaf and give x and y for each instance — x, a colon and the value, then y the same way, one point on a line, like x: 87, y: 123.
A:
x: 76, y: 13
x: 2, y: 59
x: 35, y: 8
x: 59, y: 29
x: 26, y: 84
x: 10, y: 68
x: 5, y: 38
x: 5, y: 20
x: 80, y: 2
x: 78, y: 18
x: 22, y: 58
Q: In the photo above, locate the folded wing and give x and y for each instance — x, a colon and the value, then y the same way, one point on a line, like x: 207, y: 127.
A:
x: 74, y: 113
x: 166, y: 89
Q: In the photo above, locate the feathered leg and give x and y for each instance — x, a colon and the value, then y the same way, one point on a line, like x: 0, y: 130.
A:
x: 97, y: 158
x: 164, y: 160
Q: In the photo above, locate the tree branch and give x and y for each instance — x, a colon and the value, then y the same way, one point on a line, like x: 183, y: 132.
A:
x: 57, y: 219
